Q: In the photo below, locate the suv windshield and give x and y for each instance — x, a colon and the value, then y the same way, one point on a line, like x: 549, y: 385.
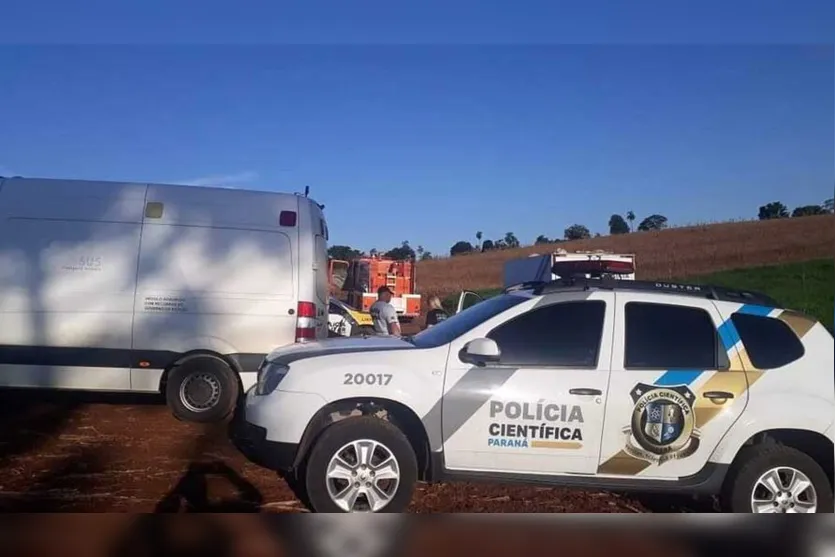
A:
x: 450, y: 329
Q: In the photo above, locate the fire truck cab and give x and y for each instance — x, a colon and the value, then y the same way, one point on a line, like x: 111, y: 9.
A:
x: 359, y: 280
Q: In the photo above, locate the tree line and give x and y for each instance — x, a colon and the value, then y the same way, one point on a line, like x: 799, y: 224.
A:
x: 403, y: 251
x: 777, y: 210
x: 618, y: 224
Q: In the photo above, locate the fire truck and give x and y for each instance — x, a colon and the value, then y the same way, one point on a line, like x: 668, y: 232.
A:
x: 357, y: 282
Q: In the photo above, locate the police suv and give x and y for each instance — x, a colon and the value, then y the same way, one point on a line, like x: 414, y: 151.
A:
x: 579, y: 382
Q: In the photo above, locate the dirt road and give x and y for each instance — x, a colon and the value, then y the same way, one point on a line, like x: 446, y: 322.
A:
x: 70, y: 452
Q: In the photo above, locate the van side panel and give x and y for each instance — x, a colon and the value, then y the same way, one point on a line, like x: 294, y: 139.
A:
x: 68, y: 256
x: 216, y: 272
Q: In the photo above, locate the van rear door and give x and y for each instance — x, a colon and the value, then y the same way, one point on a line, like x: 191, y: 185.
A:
x: 321, y: 266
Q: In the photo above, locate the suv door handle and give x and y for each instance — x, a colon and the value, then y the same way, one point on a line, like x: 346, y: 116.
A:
x: 718, y: 395
x: 585, y: 392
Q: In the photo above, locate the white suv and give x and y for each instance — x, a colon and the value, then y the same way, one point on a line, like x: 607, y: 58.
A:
x: 593, y: 383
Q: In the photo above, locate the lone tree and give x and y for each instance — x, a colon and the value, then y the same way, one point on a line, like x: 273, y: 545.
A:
x: 808, y: 211
x: 617, y: 225
x: 542, y: 239
x: 510, y: 240
x: 653, y: 222
x: 403, y: 251
x: 423, y: 254
x: 577, y: 232
x: 773, y: 210
x: 630, y: 216
x: 487, y: 245
x: 460, y: 248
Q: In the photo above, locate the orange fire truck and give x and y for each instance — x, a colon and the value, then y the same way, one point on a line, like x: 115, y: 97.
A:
x: 359, y: 279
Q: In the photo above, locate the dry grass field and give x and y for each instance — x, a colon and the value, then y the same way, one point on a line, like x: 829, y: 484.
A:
x: 666, y: 254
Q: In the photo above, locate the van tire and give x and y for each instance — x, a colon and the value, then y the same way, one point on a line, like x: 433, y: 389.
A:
x: 755, y: 461
x: 197, y: 379
x: 343, y: 432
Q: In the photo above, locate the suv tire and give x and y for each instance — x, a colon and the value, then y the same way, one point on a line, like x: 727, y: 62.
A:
x: 336, y: 437
x: 202, y: 372
x: 755, y: 461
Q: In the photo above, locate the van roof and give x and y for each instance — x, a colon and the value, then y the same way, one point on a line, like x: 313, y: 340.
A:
x: 162, y: 184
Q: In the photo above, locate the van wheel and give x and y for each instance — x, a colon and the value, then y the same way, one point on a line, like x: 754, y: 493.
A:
x: 361, y: 464
x: 202, y: 389
x: 773, y: 478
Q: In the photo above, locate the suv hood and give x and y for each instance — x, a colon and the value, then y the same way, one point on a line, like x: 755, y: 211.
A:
x: 337, y: 345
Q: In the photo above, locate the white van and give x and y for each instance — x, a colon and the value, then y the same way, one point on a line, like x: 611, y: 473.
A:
x: 110, y: 286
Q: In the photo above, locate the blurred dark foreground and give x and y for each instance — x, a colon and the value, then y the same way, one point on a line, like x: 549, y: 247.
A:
x: 228, y: 535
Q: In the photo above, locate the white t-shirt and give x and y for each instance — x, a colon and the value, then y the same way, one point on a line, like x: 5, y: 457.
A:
x: 382, y: 313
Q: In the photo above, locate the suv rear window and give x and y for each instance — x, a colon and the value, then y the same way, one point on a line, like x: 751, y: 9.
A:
x: 769, y: 342
x: 666, y: 336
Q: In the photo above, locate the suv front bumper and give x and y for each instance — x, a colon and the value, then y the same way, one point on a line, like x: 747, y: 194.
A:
x: 251, y: 440
x: 268, y: 429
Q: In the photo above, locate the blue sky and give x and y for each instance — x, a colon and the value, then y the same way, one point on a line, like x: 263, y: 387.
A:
x: 448, y: 138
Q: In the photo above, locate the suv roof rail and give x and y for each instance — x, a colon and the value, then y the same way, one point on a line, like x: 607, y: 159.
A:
x: 711, y: 292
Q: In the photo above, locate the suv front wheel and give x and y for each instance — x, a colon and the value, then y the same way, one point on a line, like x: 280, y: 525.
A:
x: 361, y: 464
x: 773, y: 478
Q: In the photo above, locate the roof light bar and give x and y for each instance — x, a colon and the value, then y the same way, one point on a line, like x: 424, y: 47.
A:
x: 592, y: 266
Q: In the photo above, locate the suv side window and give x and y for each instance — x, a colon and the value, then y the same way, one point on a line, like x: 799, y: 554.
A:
x: 665, y: 336
x: 770, y: 343
x: 564, y: 334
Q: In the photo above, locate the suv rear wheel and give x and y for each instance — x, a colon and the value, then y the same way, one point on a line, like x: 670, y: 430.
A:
x: 773, y: 478
x: 361, y: 464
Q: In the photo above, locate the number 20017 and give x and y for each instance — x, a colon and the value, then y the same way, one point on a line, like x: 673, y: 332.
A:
x: 367, y: 379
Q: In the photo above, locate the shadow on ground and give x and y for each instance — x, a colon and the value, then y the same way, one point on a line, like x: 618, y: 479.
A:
x: 34, y: 418
x: 666, y: 503
x: 192, y: 492
x: 31, y: 417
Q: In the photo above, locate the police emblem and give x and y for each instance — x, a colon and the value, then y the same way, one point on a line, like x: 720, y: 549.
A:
x: 663, y: 424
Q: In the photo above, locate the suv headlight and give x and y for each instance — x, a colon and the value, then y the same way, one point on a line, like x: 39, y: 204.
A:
x: 269, y: 376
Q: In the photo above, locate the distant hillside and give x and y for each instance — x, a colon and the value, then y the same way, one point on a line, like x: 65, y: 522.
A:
x: 670, y: 253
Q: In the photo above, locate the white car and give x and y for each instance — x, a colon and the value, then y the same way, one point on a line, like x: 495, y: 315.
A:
x: 594, y: 383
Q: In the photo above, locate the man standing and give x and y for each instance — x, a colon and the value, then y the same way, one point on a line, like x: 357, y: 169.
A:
x: 384, y: 314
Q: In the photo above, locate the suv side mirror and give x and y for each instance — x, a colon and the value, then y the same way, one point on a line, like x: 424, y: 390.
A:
x: 480, y: 352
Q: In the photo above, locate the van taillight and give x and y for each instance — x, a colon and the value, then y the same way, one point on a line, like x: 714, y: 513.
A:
x: 306, y: 322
